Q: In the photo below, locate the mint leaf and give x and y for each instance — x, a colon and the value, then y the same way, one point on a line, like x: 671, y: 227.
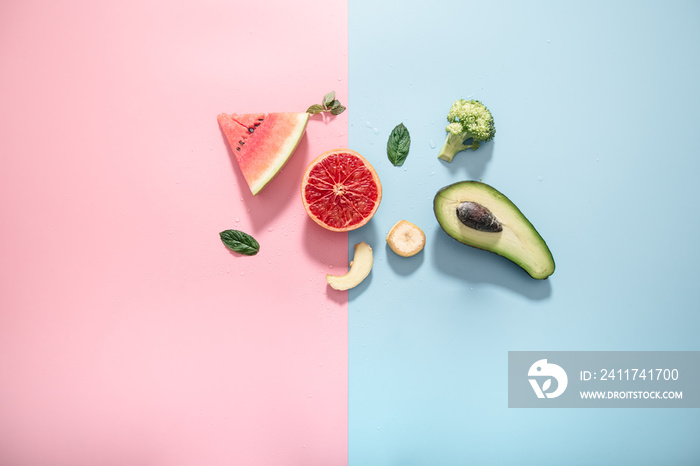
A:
x: 398, y: 145
x: 337, y: 110
x: 240, y: 242
x: 328, y: 99
x: 328, y: 104
x: 314, y: 109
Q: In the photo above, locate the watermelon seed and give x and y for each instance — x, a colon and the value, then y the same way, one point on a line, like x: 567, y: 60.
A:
x: 251, y: 129
x: 238, y: 149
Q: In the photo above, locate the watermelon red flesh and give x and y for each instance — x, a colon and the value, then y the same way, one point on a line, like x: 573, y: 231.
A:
x: 262, y: 142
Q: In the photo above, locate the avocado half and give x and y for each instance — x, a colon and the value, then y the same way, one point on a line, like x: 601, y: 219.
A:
x: 478, y: 215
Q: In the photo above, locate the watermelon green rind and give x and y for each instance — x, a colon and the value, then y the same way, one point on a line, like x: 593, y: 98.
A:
x: 262, y: 143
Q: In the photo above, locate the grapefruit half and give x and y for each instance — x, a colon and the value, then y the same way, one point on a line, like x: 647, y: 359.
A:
x: 341, y: 190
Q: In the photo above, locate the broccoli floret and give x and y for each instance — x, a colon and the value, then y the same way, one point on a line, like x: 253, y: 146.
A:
x: 469, y: 120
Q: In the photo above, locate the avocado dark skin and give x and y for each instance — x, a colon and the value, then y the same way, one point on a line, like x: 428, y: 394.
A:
x: 480, y: 216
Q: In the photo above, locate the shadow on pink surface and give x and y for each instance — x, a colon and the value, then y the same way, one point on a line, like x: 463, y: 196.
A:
x: 278, y: 193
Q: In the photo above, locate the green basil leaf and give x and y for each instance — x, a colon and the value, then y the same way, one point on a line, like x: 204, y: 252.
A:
x: 337, y: 110
x: 328, y: 99
x: 398, y: 145
x: 314, y: 109
x: 240, y: 242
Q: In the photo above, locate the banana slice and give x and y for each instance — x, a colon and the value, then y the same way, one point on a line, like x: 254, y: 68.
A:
x: 406, y: 239
x: 360, y: 267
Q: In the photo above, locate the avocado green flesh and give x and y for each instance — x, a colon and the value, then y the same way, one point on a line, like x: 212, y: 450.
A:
x: 518, y: 242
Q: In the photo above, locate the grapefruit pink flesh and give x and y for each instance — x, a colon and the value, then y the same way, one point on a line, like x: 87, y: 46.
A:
x: 341, y: 191
x: 262, y: 142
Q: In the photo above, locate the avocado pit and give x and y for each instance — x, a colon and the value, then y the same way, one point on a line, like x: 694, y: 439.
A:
x: 478, y: 217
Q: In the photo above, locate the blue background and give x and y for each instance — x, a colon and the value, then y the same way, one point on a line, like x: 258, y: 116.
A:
x: 596, y: 109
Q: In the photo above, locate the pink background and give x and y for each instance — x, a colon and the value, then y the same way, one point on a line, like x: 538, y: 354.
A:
x: 128, y: 333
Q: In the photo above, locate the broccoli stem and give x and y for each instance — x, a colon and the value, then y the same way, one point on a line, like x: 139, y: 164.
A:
x: 453, y: 143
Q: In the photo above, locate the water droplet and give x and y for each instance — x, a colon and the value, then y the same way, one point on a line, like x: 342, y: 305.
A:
x: 177, y: 181
x: 432, y: 144
x: 330, y: 266
x: 432, y: 174
x: 369, y: 125
x: 539, y: 178
x: 549, y: 41
x: 242, y: 273
x: 237, y: 219
x: 270, y: 229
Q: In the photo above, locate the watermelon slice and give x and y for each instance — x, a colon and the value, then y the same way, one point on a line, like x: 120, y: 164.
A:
x: 262, y: 142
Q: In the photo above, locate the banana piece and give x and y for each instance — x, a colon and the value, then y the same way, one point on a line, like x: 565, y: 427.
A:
x: 360, y: 267
x: 406, y: 239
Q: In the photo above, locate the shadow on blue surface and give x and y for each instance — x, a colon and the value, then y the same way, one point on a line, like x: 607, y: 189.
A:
x: 472, y: 161
x: 472, y: 265
x: 404, y: 265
